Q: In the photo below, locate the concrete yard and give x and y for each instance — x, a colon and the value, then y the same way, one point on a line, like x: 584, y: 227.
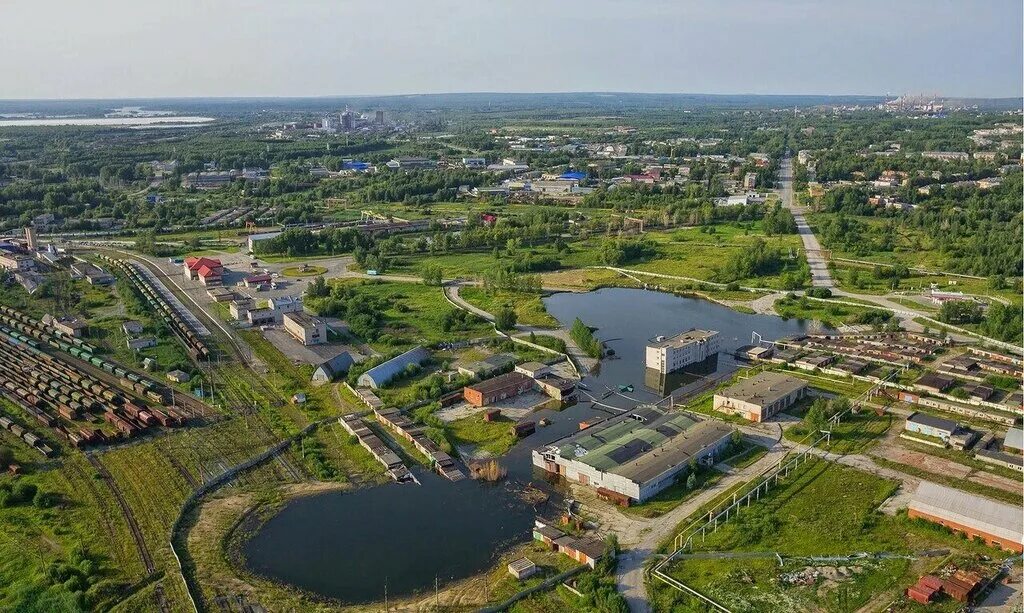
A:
x: 302, y: 354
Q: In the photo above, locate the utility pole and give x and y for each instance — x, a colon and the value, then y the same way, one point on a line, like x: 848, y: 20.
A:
x: 437, y: 603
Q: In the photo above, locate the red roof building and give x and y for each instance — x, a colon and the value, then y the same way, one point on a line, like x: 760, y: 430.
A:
x: 195, y: 267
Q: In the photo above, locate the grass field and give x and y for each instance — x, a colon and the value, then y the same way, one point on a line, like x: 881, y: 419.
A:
x: 415, y: 314
x: 492, y: 437
x: 822, y: 509
x: 854, y: 434
x: 830, y: 314
x: 529, y: 308
x: 685, y: 252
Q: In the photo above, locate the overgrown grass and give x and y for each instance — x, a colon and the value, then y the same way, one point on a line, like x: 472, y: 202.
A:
x: 493, y: 437
x: 823, y: 509
x: 529, y: 308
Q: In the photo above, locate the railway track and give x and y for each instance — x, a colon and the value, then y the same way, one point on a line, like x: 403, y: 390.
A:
x: 140, y: 543
x: 185, y: 474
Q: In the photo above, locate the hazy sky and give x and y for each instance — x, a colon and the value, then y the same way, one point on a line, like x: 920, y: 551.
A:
x: 150, y: 48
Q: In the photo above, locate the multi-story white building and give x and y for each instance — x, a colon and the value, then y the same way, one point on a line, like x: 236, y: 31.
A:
x: 671, y: 354
x: 306, y: 329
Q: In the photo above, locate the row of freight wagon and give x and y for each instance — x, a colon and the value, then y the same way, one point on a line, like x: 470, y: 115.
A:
x: 155, y: 299
x: 41, y: 331
x: 42, y: 384
x: 26, y: 435
x: 22, y: 325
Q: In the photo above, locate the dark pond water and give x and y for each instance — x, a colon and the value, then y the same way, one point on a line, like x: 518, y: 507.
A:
x: 351, y: 545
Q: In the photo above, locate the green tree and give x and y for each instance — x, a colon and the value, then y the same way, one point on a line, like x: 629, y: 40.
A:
x: 432, y: 275
x: 505, y: 318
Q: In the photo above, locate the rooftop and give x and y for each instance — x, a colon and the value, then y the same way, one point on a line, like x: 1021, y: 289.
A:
x: 995, y: 518
x: 499, y: 382
x: 533, y: 366
x: 642, y: 444
x: 764, y: 389
x: 303, y: 319
x: 1014, y: 439
x: 682, y: 339
x: 933, y: 422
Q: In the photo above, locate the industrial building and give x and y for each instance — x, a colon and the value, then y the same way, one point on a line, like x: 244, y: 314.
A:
x: 255, y: 239
x: 1014, y: 440
x: 929, y: 425
x: 997, y: 523
x: 499, y: 388
x: 207, y: 271
x: 675, y: 353
x: 487, y: 366
x: 382, y: 373
x: 761, y: 397
x: 333, y: 368
x: 306, y: 329
x: 533, y: 369
x: 633, y: 456
x: 585, y: 550
x: 16, y: 262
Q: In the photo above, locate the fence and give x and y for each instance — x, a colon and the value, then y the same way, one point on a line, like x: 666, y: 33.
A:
x: 546, y: 584
x: 717, y: 515
x: 216, y: 482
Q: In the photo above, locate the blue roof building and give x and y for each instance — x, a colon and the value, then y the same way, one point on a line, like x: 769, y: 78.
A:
x: 380, y: 374
x: 573, y: 175
x: 330, y: 370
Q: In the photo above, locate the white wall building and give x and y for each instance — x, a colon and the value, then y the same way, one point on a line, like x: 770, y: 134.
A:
x: 671, y: 354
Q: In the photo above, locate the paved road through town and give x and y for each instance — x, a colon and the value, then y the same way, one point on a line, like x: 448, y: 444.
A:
x: 820, y: 276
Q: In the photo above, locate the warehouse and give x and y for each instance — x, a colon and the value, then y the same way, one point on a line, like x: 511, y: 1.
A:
x: 499, y: 388
x: 998, y: 524
x: 635, y: 455
x: 306, y: 329
x: 333, y: 368
x: 761, y: 397
x: 382, y: 373
x: 929, y: 425
x: 1014, y: 440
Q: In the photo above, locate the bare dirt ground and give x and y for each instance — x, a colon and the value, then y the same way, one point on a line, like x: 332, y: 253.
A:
x: 944, y: 467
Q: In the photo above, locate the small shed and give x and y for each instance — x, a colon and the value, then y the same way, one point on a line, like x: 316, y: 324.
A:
x: 523, y: 429
x: 522, y: 568
x: 178, y: 376
x: 492, y: 414
x: 137, y: 344
x: 299, y: 398
x: 132, y: 328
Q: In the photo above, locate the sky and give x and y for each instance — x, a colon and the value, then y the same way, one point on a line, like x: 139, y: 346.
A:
x: 150, y: 48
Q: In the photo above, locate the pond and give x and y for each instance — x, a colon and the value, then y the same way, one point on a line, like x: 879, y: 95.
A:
x: 354, y: 545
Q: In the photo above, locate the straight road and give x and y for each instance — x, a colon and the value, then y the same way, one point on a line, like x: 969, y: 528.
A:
x: 820, y: 276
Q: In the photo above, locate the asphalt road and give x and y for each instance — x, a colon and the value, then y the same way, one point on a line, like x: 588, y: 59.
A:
x: 820, y: 276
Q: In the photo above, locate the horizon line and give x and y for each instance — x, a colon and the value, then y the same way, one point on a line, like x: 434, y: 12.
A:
x: 498, y: 93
